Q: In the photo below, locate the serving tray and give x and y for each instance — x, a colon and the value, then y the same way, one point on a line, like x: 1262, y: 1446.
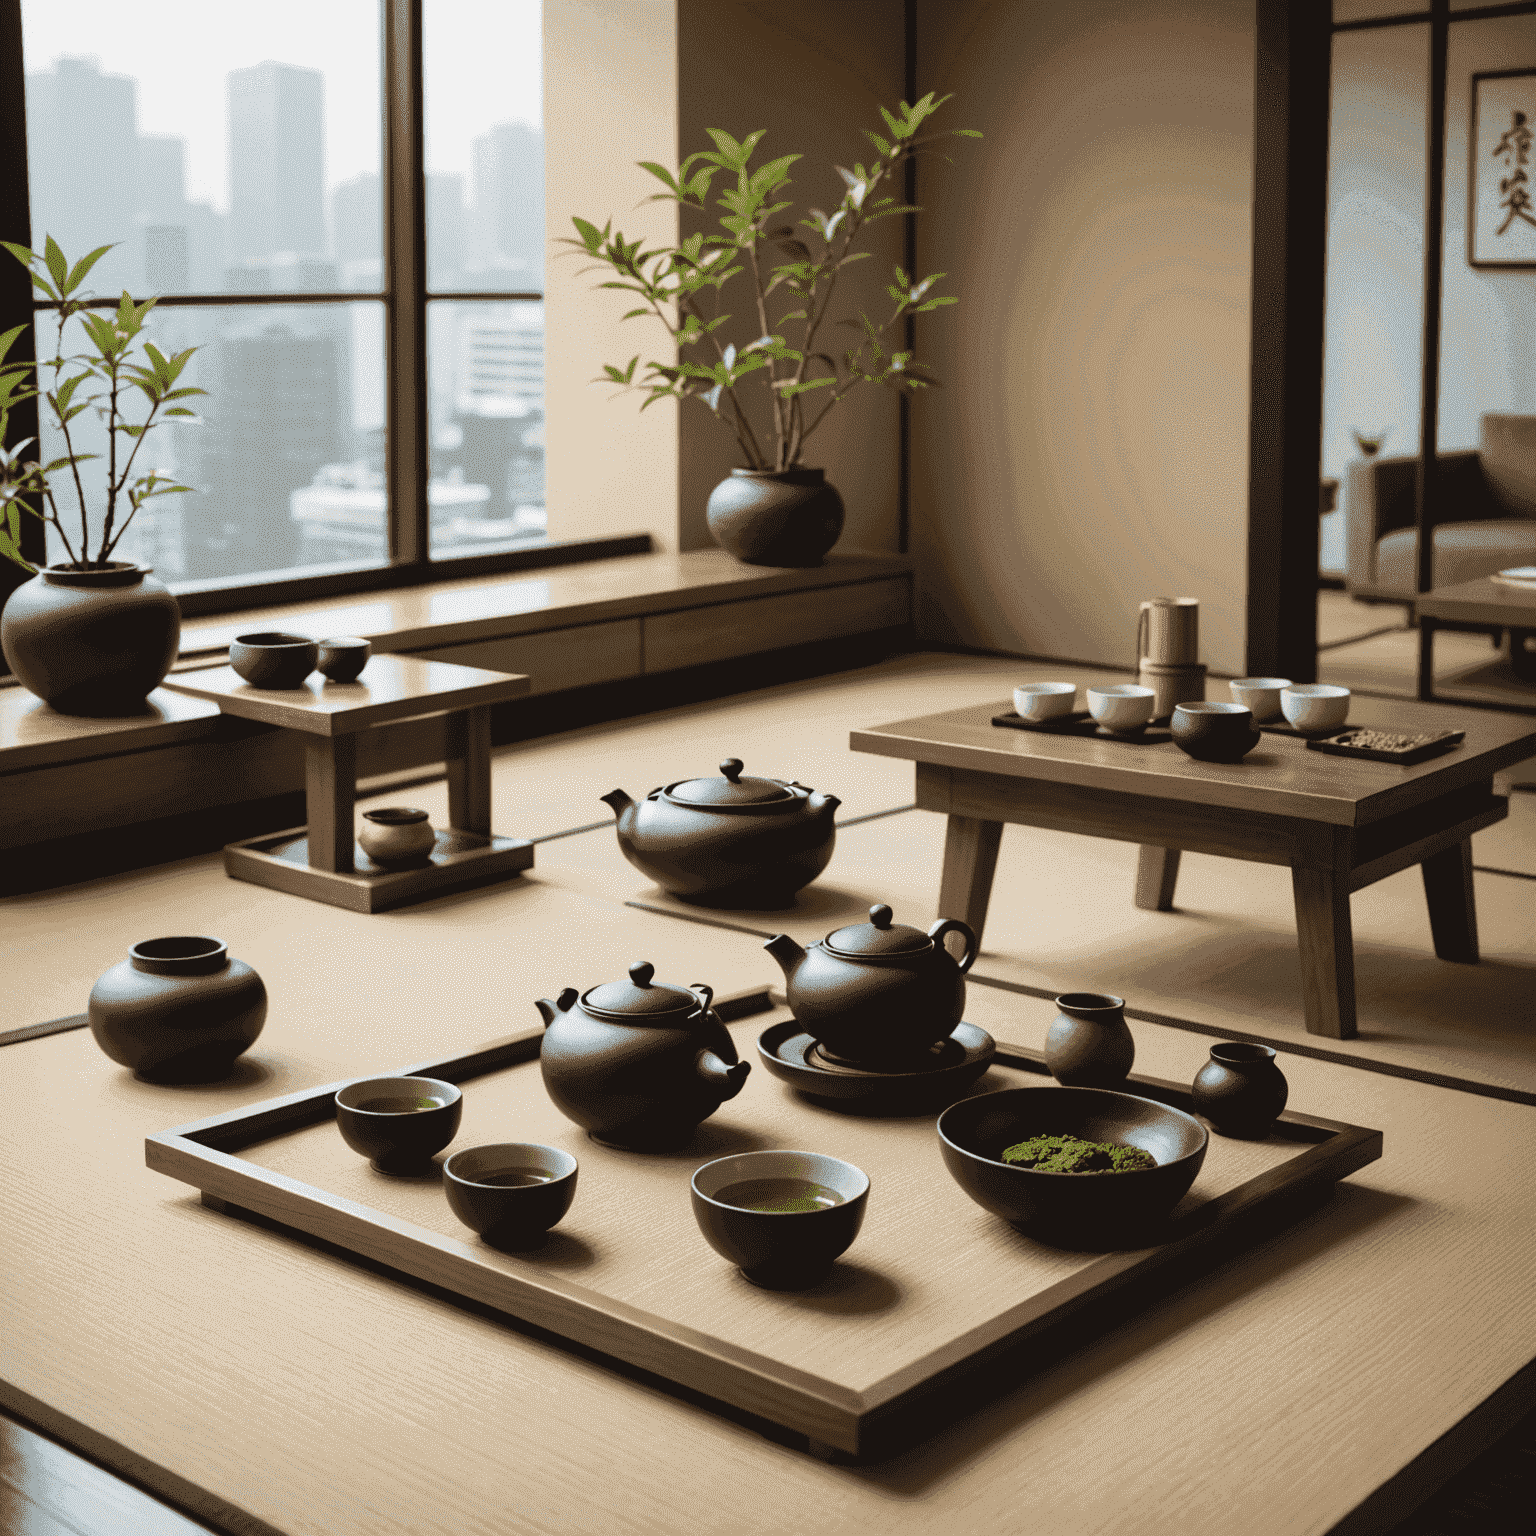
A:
x: 1081, y: 723
x: 935, y: 1307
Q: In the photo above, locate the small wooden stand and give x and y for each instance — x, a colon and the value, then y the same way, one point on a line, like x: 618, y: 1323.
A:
x: 322, y: 860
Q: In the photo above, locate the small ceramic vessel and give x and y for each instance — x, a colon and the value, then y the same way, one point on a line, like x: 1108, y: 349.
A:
x: 1214, y: 732
x: 1123, y: 709
x: 399, y: 1123
x: 343, y: 657
x: 1039, y: 702
x: 510, y: 1193
x: 178, y: 1009
x: 782, y: 1250
x: 1261, y: 695
x: 1320, y: 707
x: 1240, y: 1090
x: 397, y: 837
x: 1089, y: 1044
x: 274, y: 659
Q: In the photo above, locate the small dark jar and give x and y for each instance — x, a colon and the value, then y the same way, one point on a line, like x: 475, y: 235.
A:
x: 178, y: 1009
x: 1240, y: 1090
x: 1089, y: 1044
x: 1213, y: 732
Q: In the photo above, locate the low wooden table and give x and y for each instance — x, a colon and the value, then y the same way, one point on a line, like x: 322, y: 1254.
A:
x: 1340, y: 823
x: 322, y: 859
x: 1478, y: 602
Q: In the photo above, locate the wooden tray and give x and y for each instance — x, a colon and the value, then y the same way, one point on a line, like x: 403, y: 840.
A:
x: 936, y: 1306
x: 1081, y: 723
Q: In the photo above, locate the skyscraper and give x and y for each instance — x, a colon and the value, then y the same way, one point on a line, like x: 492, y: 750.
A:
x: 509, y: 203
x: 276, y: 162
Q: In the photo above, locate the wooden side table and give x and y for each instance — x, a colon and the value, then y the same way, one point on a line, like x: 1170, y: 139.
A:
x: 322, y: 860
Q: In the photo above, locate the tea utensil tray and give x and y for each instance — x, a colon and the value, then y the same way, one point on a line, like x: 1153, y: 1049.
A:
x: 1081, y: 723
x: 1419, y: 745
x: 937, y: 1306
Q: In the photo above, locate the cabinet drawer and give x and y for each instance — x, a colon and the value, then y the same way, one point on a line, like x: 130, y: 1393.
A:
x: 556, y: 658
x: 697, y: 635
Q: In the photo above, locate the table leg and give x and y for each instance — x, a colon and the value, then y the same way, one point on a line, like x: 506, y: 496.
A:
x: 330, y: 790
x: 1157, y: 872
x: 970, y: 858
x: 1326, y: 941
x: 1521, y: 661
x: 1426, y: 689
x: 1452, y: 905
x: 469, y: 770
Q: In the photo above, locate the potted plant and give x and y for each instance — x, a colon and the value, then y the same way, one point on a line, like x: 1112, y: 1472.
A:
x: 773, y: 510
x: 89, y: 634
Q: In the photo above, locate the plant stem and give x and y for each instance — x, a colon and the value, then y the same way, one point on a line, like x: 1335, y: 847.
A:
x: 49, y: 500
x: 780, y: 436
x: 65, y: 314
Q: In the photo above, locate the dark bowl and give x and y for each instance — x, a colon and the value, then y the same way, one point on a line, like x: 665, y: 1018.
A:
x: 273, y: 659
x: 780, y: 1250
x: 1214, y: 732
x: 343, y: 657
x: 398, y: 1140
x: 1103, y: 1210
x: 510, y: 1215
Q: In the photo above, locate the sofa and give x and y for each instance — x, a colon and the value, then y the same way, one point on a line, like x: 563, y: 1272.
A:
x: 1486, y: 519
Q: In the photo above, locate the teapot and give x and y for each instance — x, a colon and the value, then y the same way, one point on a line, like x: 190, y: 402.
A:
x: 728, y: 842
x: 637, y: 1064
x: 877, y: 994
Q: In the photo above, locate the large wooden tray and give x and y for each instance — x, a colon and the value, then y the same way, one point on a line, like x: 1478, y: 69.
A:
x: 936, y: 1306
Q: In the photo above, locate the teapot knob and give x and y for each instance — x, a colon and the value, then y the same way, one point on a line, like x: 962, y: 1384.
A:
x: 731, y: 768
x: 641, y: 972
x: 880, y: 916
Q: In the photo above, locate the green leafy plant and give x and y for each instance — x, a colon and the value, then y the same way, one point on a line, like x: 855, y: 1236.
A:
x: 102, y: 380
x: 683, y: 286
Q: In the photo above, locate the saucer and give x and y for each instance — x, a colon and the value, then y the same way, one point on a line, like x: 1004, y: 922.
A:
x: 791, y: 1053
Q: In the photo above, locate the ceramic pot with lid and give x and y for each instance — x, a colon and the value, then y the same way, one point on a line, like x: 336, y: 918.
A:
x: 877, y: 994
x: 639, y: 1065
x: 732, y: 841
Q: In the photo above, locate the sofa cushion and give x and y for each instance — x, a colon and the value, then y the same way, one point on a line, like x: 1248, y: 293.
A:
x: 1463, y: 552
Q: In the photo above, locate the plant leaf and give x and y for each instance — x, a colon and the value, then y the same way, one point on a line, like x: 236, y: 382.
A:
x: 82, y: 267
x: 54, y: 260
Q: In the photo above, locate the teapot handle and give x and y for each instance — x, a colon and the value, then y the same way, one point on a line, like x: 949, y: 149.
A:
x: 954, y: 925
x: 707, y: 1001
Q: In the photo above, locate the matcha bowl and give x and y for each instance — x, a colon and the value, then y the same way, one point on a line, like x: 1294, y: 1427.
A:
x: 1073, y: 1210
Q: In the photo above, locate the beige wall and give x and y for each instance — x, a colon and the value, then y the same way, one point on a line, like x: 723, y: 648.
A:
x: 1091, y: 448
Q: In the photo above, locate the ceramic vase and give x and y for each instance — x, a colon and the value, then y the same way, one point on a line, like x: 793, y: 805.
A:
x: 1240, y: 1090
x: 91, y: 642
x: 178, y: 1009
x: 785, y: 517
x: 397, y: 837
x: 1089, y: 1044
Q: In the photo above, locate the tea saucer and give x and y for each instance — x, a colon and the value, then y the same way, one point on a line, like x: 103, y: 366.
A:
x: 791, y: 1054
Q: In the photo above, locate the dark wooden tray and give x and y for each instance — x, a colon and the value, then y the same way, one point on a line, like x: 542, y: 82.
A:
x: 1081, y: 723
x: 936, y: 1306
x: 1429, y: 744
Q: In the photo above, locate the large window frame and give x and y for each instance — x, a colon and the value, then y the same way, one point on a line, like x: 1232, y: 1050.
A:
x: 404, y: 297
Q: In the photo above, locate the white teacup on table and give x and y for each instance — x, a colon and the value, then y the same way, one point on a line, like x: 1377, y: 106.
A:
x: 1315, y: 708
x: 1261, y: 695
x: 1039, y: 702
x: 1121, y: 708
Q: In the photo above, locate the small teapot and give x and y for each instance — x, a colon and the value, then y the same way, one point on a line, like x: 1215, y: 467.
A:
x: 877, y: 994
x: 639, y: 1065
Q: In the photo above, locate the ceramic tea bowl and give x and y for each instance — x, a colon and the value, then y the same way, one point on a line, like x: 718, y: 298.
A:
x: 1320, y: 707
x: 1261, y: 695
x: 1087, y: 1210
x: 511, y: 1193
x: 399, y: 1123
x: 343, y: 657
x: 273, y: 659
x: 783, y: 1250
x: 1213, y: 732
x: 1039, y: 702
x: 397, y: 836
x: 1121, y: 708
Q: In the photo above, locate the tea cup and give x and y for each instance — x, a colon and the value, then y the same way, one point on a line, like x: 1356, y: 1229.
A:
x: 273, y: 658
x: 511, y: 1193
x: 1214, y: 732
x: 1319, y: 707
x: 1039, y: 702
x: 399, y: 1123
x: 1261, y: 695
x: 343, y: 657
x: 1121, y: 708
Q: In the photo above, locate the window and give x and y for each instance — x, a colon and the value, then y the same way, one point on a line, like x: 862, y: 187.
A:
x: 240, y: 160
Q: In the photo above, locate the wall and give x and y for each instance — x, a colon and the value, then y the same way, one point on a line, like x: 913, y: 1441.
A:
x: 1090, y: 448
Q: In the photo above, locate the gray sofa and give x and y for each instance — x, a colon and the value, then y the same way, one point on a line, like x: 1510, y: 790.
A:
x: 1487, y: 512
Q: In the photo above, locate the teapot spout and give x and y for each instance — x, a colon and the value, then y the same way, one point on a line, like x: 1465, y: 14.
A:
x: 725, y: 1079
x: 823, y: 804
x: 619, y: 800
x: 786, y: 951
x: 550, y: 1011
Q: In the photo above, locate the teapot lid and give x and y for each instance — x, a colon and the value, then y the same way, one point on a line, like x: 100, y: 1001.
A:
x: 879, y: 936
x: 638, y: 996
x: 731, y: 790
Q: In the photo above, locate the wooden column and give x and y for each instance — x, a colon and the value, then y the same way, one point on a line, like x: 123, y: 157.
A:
x: 330, y: 790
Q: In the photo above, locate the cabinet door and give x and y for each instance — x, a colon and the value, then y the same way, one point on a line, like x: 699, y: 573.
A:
x: 556, y: 658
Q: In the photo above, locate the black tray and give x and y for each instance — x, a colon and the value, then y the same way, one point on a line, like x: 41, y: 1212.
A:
x: 1080, y: 723
x: 1426, y: 744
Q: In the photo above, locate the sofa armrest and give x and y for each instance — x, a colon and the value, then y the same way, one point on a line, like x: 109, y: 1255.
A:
x: 1380, y: 498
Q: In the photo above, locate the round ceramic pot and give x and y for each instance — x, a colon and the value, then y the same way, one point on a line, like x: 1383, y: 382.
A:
x: 776, y: 516
x: 343, y: 657
x: 1214, y: 733
x: 91, y: 642
x: 178, y: 1009
x: 274, y: 659
x: 1240, y: 1090
x: 1089, y: 1044
x: 397, y: 836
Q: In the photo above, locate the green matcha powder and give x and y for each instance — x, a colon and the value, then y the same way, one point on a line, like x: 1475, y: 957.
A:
x: 1071, y: 1154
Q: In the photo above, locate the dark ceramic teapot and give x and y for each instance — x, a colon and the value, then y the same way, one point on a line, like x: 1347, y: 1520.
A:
x: 728, y: 842
x: 877, y: 994
x: 637, y: 1064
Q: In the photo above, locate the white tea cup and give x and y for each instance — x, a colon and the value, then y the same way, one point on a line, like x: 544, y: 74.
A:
x: 1261, y: 695
x: 1039, y: 702
x: 1123, y: 708
x: 1315, y: 706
